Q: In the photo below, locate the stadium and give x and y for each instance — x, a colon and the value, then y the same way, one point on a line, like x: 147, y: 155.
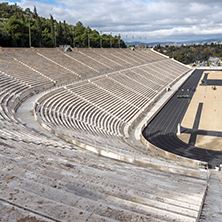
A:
x: 95, y: 134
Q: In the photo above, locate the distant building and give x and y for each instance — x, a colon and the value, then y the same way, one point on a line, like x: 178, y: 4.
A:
x: 213, y: 60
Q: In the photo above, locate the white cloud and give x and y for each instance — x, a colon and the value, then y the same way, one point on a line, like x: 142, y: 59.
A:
x: 151, y: 19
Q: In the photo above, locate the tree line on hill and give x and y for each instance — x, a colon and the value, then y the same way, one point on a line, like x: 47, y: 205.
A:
x: 24, y: 28
x: 193, y: 53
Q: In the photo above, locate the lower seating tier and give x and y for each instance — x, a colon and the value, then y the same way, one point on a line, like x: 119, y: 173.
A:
x: 62, y: 184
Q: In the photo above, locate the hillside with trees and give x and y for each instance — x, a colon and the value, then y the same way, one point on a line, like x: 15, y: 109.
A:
x: 16, y: 24
x: 193, y: 53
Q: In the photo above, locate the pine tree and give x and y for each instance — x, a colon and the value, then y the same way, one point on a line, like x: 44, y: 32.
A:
x: 65, y: 33
x: 60, y: 33
x: 52, y: 31
x: 39, y: 27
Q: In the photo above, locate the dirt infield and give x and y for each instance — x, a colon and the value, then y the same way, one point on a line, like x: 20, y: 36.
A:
x: 211, y: 112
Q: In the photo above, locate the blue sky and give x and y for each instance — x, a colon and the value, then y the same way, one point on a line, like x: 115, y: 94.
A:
x: 46, y: 2
x: 145, y: 20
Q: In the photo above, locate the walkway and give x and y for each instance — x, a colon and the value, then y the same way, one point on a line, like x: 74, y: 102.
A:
x: 212, y: 210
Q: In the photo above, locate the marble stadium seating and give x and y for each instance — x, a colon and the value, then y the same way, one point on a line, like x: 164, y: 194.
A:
x: 90, y: 97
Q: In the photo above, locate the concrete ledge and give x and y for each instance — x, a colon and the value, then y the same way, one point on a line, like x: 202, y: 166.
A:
x: 179, y: 159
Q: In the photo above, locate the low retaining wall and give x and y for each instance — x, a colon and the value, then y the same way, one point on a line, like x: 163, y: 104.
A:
x: 179, y: 159
x: 160, y: 152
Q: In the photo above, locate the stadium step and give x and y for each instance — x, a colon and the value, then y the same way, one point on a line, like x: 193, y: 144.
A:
x: 74, y: 201
x: 55, y: 173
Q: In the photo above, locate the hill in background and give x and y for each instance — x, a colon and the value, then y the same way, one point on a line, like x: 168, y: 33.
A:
x: 16, y: 24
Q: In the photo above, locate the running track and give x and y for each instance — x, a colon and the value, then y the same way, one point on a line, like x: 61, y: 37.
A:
x: 161, y: 131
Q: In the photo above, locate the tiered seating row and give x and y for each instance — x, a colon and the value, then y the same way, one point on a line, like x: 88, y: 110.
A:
x: 47, y: 182
x: 84, y: 64
x: 47, y: 68
x: 67, y: 109
x: 45, y: 179
x: 18, y: 71
x: 19, y: 133
x: 10, y: 89
x: 91, y: 62
x: 94, y: 60
x: 106, y: 104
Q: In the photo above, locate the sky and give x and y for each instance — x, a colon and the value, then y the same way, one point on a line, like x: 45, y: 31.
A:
x: 139, y: 20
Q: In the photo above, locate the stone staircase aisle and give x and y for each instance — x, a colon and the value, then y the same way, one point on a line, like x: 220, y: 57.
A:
x: 212, y: 208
